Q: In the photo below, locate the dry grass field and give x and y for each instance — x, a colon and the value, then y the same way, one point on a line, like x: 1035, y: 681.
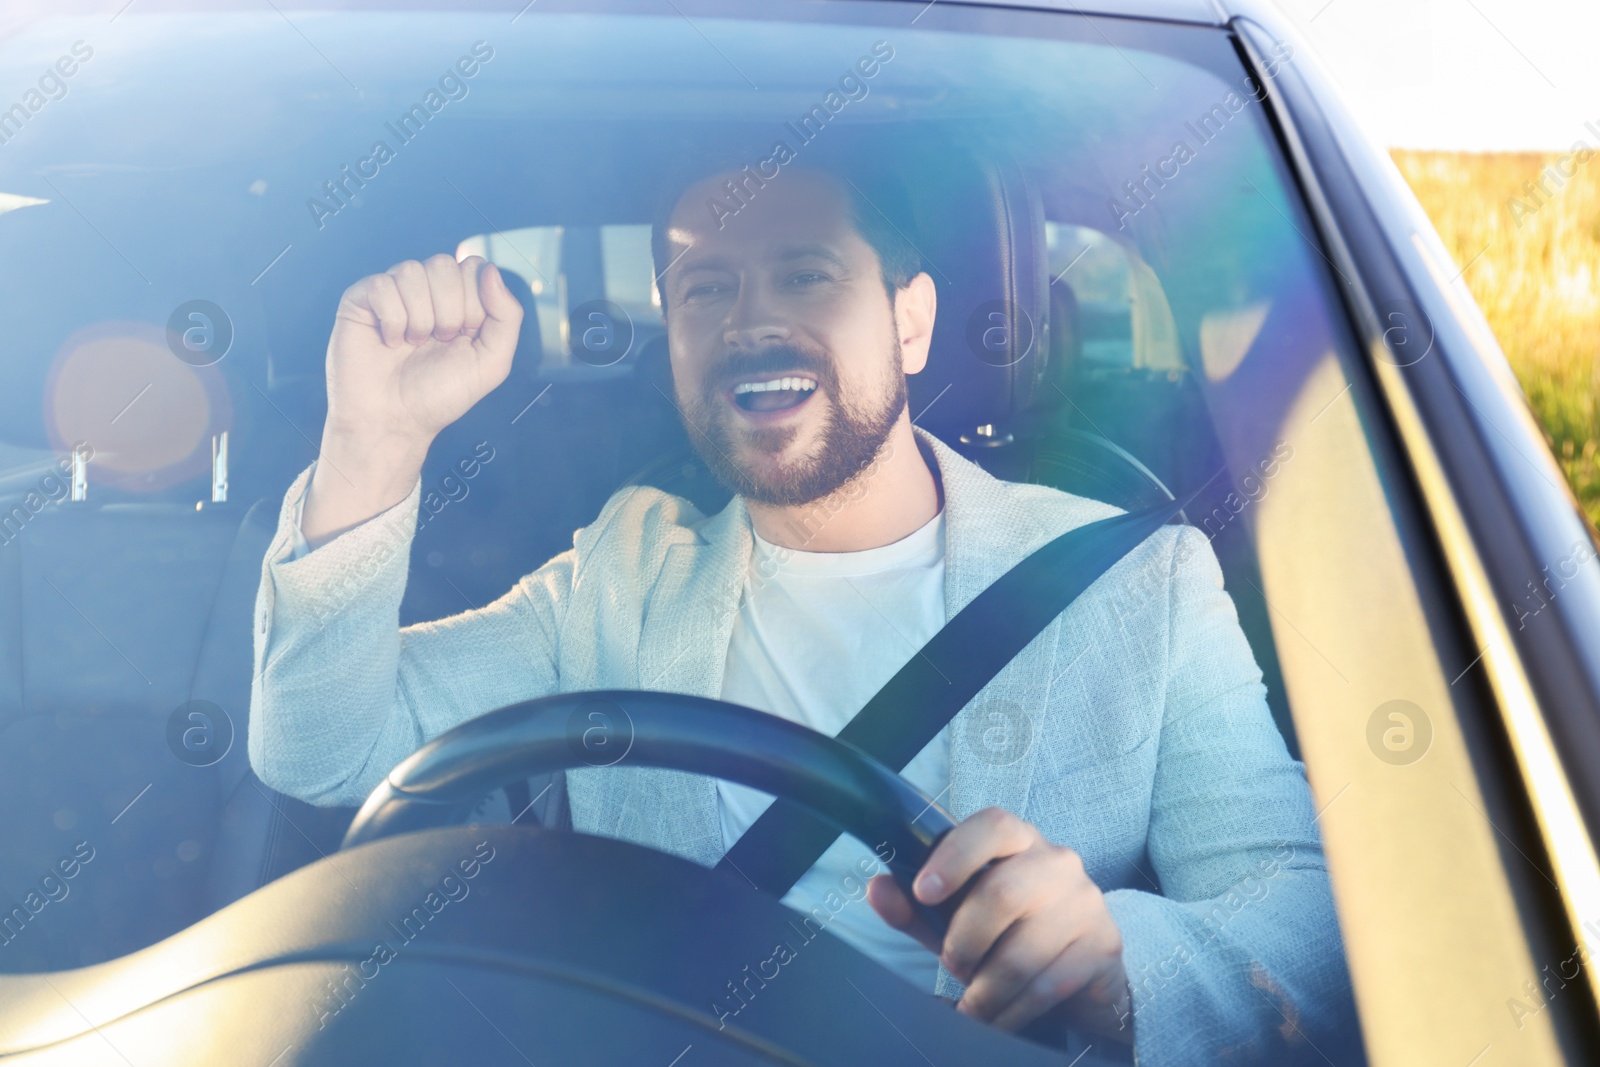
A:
x: 1537, y: 280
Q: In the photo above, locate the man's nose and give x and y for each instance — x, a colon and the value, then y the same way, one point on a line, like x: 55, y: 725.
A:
x: 754, y: 319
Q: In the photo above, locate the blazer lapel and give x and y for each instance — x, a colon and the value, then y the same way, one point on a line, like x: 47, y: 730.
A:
x: 683, y: 648
x: 688, y: 621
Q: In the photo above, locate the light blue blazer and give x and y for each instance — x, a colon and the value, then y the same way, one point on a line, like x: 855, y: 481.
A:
x: 1140, y: 734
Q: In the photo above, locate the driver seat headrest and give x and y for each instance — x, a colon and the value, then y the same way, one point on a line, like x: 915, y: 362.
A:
x: 982, y: 238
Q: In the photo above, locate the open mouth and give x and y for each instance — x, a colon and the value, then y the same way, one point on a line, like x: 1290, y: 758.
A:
x: 773, y: 394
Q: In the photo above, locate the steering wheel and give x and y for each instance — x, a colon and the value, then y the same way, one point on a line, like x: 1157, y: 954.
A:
x: 440, y: 783
x: 569, y: 928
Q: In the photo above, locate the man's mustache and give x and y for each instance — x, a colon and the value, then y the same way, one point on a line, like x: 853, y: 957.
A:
x: 770, y: 362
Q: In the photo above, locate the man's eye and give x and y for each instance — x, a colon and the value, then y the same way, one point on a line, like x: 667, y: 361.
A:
x: 808, y: 277
x: 705, y: 290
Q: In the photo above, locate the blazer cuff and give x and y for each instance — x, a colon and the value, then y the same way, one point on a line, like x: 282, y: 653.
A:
x: 365, y: 562
x: 1156, y: 953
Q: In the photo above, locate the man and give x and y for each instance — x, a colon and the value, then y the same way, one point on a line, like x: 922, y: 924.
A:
x: 1156, y: 864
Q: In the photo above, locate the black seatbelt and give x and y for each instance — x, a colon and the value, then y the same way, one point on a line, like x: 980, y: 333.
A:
x: 936, y: 683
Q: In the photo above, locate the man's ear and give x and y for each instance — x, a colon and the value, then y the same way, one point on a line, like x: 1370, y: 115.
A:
x: 915, y: 306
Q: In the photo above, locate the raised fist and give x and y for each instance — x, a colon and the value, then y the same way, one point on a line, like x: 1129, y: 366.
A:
x: 415, y: 347
x: 412, y: 350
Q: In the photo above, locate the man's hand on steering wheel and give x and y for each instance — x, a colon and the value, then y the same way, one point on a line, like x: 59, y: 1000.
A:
x: 1033, y: 931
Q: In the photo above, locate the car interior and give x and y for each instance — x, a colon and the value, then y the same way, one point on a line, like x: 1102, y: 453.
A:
x: 563, y: 436
x: 121, y: 610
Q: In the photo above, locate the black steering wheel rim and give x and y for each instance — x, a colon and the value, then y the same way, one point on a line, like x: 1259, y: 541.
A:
x: 440, y: 783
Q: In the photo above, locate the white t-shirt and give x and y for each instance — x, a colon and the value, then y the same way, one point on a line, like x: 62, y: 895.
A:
x: 818, y: 633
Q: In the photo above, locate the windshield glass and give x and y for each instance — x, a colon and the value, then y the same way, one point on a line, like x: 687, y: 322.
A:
x: 811, y: 322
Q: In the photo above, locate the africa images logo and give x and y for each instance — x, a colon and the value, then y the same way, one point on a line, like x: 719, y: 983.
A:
x: 342, y: 189
x: 341, y: 988
x: 52, y: 85
x: 852, y: 88
x: 1207, y: 127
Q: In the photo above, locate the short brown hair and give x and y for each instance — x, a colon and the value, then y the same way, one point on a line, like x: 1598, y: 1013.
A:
x: 880, y: 207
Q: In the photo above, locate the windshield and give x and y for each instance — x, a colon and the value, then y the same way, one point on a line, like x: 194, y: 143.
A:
x: 810, y: 321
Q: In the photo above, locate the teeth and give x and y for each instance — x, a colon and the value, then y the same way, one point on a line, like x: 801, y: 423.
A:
x: 799, y: 385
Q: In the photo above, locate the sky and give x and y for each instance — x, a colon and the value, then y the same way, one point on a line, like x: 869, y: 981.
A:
x: 1473, y: 75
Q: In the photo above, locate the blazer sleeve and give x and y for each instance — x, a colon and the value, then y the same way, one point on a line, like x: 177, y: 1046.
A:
x: 1239, y: 959
x: 340, y: 693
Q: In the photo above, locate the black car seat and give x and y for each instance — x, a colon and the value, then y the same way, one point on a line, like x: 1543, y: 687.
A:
x: 981, y: 234
x: 125, y: 656
x: 105, y: 609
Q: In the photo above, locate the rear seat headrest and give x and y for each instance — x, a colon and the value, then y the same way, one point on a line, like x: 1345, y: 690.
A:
x: 147, y: 416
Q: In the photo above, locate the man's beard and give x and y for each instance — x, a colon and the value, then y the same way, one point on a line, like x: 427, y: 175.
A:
x: 851, y: 437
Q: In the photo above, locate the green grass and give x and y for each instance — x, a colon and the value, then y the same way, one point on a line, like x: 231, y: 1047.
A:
x: 1537, y: 279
